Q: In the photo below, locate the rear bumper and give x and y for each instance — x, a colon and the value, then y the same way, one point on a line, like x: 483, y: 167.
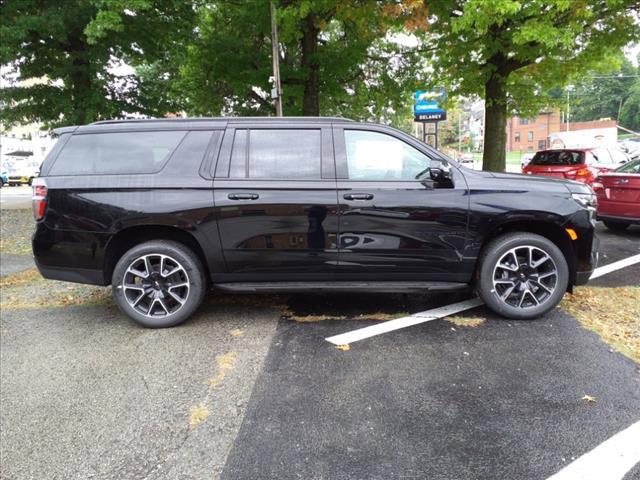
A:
x: 70, y: 256
x: 77, y: 275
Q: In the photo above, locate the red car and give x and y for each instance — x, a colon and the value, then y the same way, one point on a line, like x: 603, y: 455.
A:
x: 619, y: 196
x: 581, y: 164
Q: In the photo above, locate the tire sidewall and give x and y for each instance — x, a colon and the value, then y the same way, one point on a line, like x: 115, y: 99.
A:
x: 181, y: 254
x: 496, y: 250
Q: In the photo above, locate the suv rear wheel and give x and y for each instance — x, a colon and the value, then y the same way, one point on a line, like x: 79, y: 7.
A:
x: 159, y: 283
x: 522, y: 275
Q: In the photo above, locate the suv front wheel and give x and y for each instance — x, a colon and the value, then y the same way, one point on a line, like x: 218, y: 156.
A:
x: 522, y: 275
x: 159, y: 283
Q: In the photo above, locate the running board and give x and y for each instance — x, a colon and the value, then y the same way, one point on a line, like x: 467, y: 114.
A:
x: 403, y: 287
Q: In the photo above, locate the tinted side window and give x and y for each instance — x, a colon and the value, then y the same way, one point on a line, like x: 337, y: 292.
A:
x: 377, y: 156
x: 277, y: 154
x: 116, y: 153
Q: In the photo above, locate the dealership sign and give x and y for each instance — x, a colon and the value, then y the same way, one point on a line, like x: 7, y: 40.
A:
x: 428, y: 106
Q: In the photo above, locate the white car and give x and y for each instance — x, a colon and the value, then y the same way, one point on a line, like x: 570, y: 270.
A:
x: 466, y: 159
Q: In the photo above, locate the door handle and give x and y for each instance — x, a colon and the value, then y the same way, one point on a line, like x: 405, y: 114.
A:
x: 358, y: 196
x: 243, y: 196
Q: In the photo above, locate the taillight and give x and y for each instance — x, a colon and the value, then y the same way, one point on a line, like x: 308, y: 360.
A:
x: 597, y: 186
x: 39, y: 199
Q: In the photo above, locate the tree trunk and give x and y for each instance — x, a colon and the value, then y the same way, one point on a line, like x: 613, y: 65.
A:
x: 83, y: 109
x: 309, y: 63
x: 495, y: 124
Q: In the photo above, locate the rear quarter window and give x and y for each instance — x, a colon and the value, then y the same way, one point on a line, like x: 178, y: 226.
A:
x: 560, y: 157
x: 116, y: 153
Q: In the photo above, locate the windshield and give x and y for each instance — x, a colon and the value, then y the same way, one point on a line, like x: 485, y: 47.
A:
x: 631, y: 167
x: 558, y: 157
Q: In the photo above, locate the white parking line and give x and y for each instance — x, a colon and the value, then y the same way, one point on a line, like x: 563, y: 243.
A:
x: 416, y: 318
x: 610, y: 460
x: 436, y: 313
x: 625, y: 262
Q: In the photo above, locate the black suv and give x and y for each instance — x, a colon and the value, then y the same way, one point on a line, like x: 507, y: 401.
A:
x: 160, y: 209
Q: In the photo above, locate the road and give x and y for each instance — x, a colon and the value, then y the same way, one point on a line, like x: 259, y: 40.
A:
x: 13, y: 198
x: 242, y: 392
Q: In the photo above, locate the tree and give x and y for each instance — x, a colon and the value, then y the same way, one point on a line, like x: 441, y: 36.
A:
x: 62, y: 56
x: 599, y: 96
x: 511, y: 52
x: 630, y: 111
x: 337, y: 58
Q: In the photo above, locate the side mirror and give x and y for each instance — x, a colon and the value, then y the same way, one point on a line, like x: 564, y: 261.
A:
x: 440, y: 171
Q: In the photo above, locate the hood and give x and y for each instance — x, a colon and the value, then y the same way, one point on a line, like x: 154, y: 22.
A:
x: 539, y: 182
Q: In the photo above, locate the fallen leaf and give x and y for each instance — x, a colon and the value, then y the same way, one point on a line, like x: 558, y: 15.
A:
x: 589, y: 399
x: 344, y: 348
x: 198, y: 414
x: 237, y: 332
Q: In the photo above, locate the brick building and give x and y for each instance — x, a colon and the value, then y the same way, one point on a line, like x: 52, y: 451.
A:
x: 532, y: 134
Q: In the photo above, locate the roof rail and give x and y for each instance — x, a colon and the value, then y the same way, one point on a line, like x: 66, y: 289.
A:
x: 219, y: 119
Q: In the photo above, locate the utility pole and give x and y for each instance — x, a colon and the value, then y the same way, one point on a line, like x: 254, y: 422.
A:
x: 276, y: 93
x: 460, y: 134
x: 569, y: 88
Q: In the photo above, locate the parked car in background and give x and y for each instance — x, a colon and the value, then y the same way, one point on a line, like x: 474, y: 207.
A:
x: 580, y: 164
x: 526, y: 158
x: 23, y: 173
x: 466, y: 159
x: 631, y: 146
x: 161, y: 209
x: 619, y: 196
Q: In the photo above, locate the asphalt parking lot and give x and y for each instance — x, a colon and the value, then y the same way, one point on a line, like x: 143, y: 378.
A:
x: 249, y: 388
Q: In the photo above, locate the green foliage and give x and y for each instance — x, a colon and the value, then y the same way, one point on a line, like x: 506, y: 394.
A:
x: 599, y: 96
x: 513, y: 52
x: 630, y: 112
x: 63, y: 54
x: 337, y: 58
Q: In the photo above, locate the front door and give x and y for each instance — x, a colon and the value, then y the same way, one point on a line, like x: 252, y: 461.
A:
x: 395, y: 221
x: 275, y: 201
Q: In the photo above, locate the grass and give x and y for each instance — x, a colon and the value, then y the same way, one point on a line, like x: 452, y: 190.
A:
x: 613, y: 313
x: 512, y: 157
x: 27, y: 289
x: 16, y: 227
x: 466, y: 321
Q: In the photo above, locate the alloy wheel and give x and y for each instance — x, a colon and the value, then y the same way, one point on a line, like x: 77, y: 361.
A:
x: 525, y: 277
x: 156, y: 285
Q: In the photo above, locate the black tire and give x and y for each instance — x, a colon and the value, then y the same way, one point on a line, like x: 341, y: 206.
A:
x: 616, y: 226
x: 527, y: 284
x: 189, y: 279
x: 30, y: 181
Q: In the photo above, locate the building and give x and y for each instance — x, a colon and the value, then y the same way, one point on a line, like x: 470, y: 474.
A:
x: 549, y: 129
x: 532, y: 134
x: 23, y: 146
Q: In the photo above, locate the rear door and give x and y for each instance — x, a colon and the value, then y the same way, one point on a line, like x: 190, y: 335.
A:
x: 275, y: 201
x: 395, y: 222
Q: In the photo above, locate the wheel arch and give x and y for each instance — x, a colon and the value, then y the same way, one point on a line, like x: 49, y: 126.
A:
x: 550, y: 230
x: 135, y: 235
